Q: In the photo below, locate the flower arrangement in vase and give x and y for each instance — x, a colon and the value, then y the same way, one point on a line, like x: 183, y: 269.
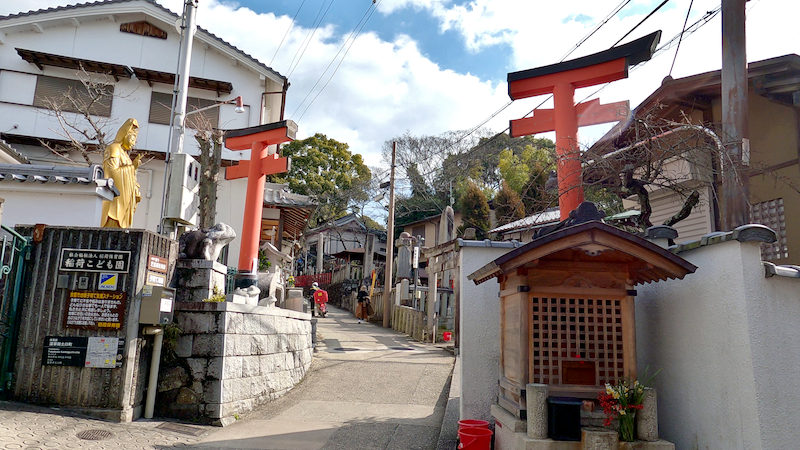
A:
x: 622, y: 401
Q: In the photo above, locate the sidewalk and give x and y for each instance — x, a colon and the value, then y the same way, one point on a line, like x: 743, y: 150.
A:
x: 368, y: 387
x: 29, y: 426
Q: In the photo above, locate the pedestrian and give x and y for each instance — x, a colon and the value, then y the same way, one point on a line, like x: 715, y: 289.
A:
x: 319, y: 300
x: 362, y: 310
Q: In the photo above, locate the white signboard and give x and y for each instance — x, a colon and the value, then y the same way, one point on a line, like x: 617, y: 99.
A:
x: 415, y: 263
x: 101, y: 352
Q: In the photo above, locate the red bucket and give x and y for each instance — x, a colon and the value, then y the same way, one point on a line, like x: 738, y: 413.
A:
x: 474, y: 438
x: 472, y: 423
x: 446, y: 336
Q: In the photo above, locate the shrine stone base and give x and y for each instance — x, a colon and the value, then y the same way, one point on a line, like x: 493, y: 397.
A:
x: 510, y: 433
x: 199, y: 279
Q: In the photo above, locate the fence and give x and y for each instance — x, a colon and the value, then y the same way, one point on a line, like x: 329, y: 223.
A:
x: 409, y: 321
x: 12, y: 259
x: 305, y: 280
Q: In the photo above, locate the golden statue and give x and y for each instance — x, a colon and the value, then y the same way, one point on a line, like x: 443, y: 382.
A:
x: 117, y: 165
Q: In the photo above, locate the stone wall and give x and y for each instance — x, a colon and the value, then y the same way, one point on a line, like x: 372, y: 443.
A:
x: 231, y: 358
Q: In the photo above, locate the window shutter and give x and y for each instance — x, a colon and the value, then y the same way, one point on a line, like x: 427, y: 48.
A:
x: 161, y: 103
x: 72, y: 96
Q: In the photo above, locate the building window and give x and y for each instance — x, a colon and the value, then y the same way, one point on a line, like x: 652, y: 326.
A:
x: 770, y: 213
x: 64, y: 94
x: 161, y: 104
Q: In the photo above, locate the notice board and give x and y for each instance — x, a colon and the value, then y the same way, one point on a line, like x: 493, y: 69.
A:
x: 94, y: 310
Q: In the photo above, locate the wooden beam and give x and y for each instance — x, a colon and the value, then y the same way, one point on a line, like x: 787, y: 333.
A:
x: 628, y: 336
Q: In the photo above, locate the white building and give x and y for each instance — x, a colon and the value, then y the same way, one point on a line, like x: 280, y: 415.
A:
x: 132, y: 45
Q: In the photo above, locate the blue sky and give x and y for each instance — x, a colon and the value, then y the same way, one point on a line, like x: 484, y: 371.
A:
x: 443, y: 47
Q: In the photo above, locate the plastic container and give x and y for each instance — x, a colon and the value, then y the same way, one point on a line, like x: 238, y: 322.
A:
x: 472, y: 423
x: 447, y: 335
x: 474, y: 438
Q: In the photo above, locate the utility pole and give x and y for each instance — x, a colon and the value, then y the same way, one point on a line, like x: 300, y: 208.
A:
x: 736, y: 159
x: 178, y: 116
x: 387, y: 284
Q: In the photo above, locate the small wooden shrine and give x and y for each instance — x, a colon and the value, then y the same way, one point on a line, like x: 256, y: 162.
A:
x: 567, y: 307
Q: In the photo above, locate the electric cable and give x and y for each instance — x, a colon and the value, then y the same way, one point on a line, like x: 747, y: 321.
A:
x: 307, y: 41
x: 341, y: 47
x: 291, y: 25
x: 641, y: 22
x: 685, y: 21
x: 372, y: 11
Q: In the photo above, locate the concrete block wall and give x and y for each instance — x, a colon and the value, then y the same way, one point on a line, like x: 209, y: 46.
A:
x: 231, y: 358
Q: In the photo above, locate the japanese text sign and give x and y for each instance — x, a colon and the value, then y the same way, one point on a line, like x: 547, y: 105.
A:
x: 83, y: 260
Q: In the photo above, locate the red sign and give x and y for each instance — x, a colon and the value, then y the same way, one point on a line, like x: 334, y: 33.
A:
x: 94, y: 310
x: 157, y: 264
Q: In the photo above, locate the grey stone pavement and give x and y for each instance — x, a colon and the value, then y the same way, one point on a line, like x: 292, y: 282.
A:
x: 368, y: 388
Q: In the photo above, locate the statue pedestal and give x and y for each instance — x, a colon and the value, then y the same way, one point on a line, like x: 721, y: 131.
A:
x: 294, y: 299
x: 197, y: 278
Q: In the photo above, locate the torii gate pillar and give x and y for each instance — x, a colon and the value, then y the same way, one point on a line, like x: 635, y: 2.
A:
x: 256, y: 139
x: 561, y: 80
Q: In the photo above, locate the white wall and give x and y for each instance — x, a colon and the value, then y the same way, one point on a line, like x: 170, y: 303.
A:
x: 50, y: 203
x: 479, y: 335
x: 728, y: 345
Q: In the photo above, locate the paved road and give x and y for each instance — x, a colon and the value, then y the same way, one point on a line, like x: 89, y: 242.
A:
x: 368, y: 388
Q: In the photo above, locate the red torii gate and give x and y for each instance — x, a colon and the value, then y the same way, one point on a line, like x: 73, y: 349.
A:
x: 561, y: 80
x: 256, y: 139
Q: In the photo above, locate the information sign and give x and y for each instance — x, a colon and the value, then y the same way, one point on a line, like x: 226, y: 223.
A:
x: 83, y: 260
x: 101, y: 352
x: 157, y: 263
x: 156, y: 279
x: 80, y: 351
x: 93, y: 310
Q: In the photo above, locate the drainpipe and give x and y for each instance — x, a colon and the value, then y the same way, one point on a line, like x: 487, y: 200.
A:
x: 152, y: 382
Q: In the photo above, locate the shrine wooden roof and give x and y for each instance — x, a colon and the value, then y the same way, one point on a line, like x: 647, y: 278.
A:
x: 592, y: 242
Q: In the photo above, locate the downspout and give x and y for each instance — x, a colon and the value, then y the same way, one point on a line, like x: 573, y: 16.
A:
x: 152, y: 383
x: 286, y: 85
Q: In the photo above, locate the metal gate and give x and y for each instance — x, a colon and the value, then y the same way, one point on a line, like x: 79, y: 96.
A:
x: 12, y: 272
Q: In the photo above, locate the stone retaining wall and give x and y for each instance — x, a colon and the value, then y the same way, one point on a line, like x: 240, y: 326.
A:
x: 230, y: 358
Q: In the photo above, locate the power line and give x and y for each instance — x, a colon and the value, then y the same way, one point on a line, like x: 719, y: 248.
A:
x: 685, y: 21
x: 291, y: 25
x: 310, y: 36
x: 341, y: 47
x: 613, y: 13
x: 641, y: 22
x: 340, y: 61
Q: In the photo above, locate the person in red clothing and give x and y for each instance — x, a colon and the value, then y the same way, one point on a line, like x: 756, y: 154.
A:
x: 320, y: 297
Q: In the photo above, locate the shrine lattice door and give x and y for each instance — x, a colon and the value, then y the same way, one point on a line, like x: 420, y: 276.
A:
x: 576, y: 341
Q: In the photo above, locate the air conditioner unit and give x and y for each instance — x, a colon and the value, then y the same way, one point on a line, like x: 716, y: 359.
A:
x: 184, y: 201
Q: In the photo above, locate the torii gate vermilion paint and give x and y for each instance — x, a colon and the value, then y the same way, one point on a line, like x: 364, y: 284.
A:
x: 256, y: 139
x: 561, y: 80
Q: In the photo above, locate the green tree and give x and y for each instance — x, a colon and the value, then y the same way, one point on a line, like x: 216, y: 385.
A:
x: 508, y: 206
x: 475, y: 210
x: 326, y: 170
x: 526, y: 171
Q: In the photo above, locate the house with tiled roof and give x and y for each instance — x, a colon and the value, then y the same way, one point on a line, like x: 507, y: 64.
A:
x: 131, y: 48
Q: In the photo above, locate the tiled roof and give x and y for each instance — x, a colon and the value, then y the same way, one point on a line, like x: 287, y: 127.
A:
x: 11, y: 151
x: 152, y: 2
x: 279, y: 195
x: 540, y: 218
x: 31, y: 173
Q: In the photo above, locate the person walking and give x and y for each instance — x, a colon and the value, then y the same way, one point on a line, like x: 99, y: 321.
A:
x: 362, y: 310
x: 319, y: 300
